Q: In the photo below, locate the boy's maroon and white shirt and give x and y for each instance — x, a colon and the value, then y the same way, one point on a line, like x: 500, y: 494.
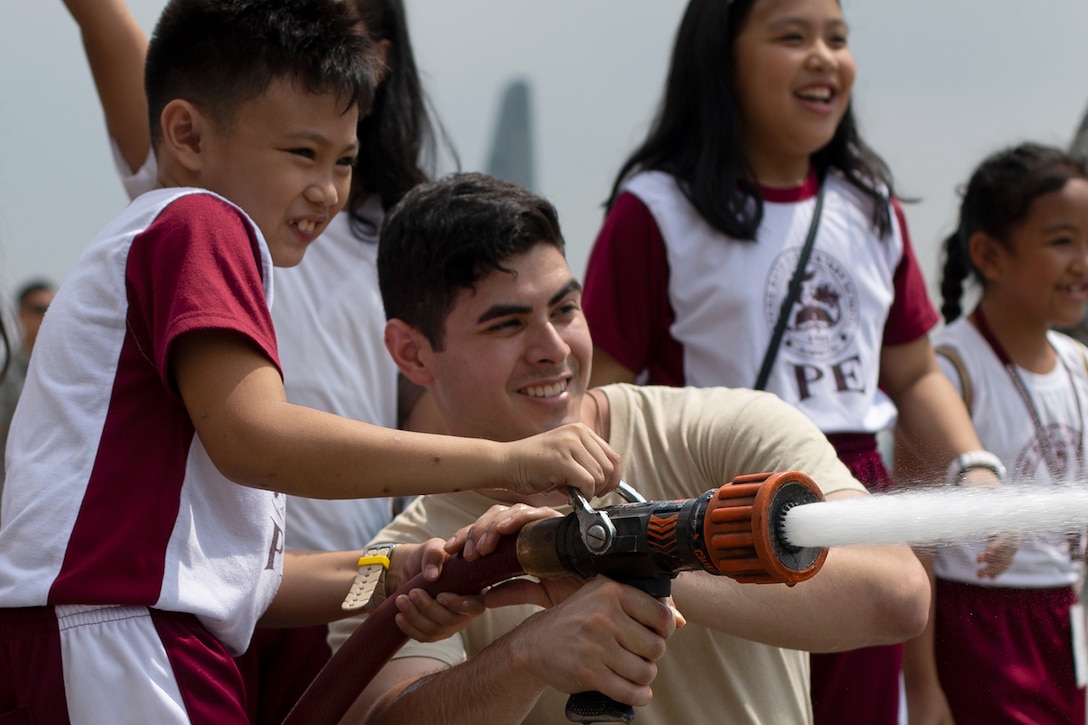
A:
x: 330, y: 328
x: 110, y: 497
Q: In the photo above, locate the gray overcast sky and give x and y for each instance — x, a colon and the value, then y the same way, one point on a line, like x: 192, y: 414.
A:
x: 941, y: 83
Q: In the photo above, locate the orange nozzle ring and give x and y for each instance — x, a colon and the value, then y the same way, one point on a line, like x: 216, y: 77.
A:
x: 742, y: 529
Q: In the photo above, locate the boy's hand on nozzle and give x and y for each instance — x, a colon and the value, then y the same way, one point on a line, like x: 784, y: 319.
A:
x: 408, y: 560
x: 571, y: 455
x: 430, y: 619
x: 420, y: 616
x: 481, y: 537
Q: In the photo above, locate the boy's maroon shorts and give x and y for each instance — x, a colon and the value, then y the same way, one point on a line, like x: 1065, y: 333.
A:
x: 106, y: 650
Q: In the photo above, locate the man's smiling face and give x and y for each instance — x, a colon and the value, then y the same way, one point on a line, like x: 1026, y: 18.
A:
x: 516, y: 354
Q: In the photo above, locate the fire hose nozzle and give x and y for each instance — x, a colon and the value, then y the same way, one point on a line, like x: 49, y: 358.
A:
x: 743, y: 526
x: 735, y: 531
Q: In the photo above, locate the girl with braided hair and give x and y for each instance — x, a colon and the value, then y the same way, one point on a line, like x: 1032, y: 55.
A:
x: 1001, y: 649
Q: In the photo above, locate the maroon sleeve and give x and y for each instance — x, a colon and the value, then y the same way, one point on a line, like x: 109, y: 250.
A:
x: 626, y: 297
x: 196, y: 267
x: 912, y: 313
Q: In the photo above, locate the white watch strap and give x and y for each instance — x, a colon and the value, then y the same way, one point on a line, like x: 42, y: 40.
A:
x: 971, y: 460
x: 368, y: 589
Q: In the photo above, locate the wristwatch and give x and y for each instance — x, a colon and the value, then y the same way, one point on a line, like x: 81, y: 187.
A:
x: 970, y: 460
x: 368, y: 589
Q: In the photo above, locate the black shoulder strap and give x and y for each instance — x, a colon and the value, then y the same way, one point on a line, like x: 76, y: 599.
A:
x: 792, y: 293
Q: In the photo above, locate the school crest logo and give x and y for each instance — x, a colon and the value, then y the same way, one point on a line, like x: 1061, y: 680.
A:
x: 1066, y: 455
x: 824, y: 319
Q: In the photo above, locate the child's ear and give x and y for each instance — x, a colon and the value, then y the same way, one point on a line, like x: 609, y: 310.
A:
x: 986, y: 254
x: 410, y: 351
x: 182, y: 128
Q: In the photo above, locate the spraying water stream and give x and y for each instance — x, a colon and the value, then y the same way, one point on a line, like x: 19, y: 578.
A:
x: 938, y: 515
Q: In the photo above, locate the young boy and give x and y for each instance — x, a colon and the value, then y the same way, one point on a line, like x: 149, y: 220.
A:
x: 142, y: 522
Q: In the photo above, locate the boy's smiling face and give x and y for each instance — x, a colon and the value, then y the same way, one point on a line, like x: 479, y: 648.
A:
x: 285, y: 158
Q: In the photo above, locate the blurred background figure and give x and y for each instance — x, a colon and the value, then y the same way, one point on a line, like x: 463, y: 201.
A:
x: 31, y: 302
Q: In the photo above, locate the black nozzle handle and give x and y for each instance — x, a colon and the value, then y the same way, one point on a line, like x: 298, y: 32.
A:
x: 597, y: 707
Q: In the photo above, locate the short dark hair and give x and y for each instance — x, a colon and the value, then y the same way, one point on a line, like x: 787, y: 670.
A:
x: 447, y: 235
x: 219, y: 54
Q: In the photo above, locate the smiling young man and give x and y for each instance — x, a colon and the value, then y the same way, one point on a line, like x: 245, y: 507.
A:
x: 484, y: 311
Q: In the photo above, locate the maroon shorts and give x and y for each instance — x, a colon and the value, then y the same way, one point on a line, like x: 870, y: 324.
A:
x: 123, y: 664
x: 1006, y: 655
x: 31, y: 670
x: 278, y: 667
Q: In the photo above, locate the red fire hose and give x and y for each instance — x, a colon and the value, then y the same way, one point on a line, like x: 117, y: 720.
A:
x: 733, y: 531
x: 371, y: 646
